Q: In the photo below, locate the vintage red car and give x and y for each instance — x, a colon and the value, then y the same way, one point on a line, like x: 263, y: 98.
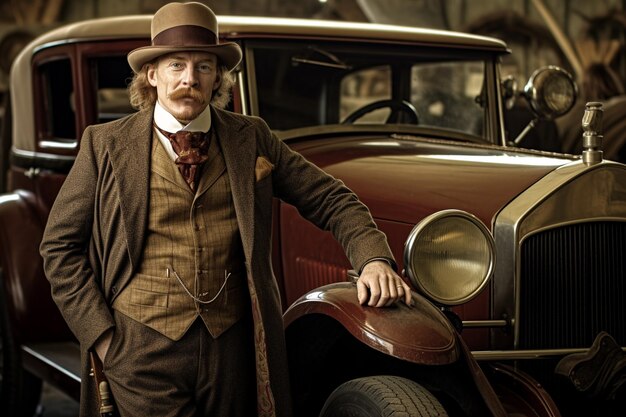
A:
x: 516, y: 256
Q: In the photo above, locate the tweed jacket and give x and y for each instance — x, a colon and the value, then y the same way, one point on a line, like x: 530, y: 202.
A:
x: 95, y: 233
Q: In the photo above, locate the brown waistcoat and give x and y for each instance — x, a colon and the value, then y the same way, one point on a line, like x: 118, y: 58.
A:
x: 192, y: 245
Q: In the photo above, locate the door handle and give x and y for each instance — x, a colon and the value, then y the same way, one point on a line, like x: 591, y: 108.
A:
x: 32, y: 172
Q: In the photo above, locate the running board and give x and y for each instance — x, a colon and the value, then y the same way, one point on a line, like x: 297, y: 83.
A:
x: 55, y: 363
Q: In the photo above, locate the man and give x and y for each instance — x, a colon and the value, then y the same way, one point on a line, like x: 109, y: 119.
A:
x: 158, y: 245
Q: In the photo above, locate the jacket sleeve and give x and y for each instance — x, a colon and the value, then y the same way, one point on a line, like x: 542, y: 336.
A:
x: 326, y: 202
x: 65, y: 250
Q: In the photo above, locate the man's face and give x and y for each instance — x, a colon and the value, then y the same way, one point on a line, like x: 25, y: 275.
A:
x: 185, y: 82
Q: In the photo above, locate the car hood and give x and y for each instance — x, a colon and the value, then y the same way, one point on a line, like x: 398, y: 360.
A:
x: 405, y: 178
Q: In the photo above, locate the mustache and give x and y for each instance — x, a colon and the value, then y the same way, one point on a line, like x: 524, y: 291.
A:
x: 186, y: 93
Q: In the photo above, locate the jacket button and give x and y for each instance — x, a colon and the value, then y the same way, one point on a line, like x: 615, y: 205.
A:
x: 114, y: 289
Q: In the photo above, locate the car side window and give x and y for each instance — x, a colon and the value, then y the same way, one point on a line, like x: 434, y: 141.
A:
x: 112, y: 74
x: 57, y: 94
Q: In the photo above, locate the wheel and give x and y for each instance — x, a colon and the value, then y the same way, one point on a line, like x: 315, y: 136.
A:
x: 382, y: 396
x: 398, y: 109
x: 20, y: 390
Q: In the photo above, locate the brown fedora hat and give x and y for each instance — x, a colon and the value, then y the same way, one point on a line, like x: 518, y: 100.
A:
x: 185, y: 27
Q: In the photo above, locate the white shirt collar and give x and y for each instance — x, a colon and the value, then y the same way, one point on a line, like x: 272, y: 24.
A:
x: 167, y: 122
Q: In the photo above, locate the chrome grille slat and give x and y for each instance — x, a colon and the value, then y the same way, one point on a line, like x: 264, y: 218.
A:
x: 573, y: 285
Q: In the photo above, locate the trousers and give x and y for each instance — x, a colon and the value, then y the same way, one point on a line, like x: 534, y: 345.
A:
x: 152, y: 375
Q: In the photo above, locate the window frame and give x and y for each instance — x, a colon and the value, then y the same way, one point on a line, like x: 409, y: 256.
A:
x: 84, y: 86
x: 492, y: 112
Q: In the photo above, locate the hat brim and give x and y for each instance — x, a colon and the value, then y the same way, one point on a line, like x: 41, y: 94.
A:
x: 229, y: 54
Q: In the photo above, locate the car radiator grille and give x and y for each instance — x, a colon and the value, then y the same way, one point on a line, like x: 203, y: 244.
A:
x: 573, y: 285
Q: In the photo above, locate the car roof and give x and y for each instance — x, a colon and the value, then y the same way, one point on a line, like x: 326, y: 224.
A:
x: 237, y: 26
x: 231, y: 27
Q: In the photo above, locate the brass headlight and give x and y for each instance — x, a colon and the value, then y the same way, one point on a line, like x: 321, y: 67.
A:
x: 449, y: 256
x: 551, y: 92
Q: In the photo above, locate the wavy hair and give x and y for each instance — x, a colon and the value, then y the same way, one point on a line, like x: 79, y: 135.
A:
x: 143, y: 96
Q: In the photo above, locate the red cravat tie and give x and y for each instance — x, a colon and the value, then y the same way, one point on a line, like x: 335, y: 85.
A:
x: 192, y: 149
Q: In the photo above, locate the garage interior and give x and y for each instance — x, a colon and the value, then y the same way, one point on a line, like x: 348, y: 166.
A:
x: 571, y: 34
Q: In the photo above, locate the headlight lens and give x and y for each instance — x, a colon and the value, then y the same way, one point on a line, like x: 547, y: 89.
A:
x: 449, y: 256
x: 551, y: 92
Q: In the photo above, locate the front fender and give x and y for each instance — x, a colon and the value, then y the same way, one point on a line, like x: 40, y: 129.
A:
x: 420, y: 334
x: 32, y: 313
x: 520, y: 393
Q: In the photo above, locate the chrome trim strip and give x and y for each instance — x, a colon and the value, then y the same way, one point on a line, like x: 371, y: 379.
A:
x: 500, y: 355
x: 556, y: 195
x: 251, y: 72
x: 95, y: 38
x: 500, y: 104
x: 50, y: 363
x: 52, y: 44
x: 49, y: 144
x: 491, y: 132
x: 39, y: 155
x: 243, y: 99
x: 469, y: 324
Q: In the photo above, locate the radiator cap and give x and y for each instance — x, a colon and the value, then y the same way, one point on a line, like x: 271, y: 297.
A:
x: 592, y: 137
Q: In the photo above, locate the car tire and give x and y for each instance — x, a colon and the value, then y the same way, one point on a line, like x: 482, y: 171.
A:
x: 382, y: 396
x: 20, y: 391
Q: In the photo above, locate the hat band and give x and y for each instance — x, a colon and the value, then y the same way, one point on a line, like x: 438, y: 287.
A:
x: 185, y: 35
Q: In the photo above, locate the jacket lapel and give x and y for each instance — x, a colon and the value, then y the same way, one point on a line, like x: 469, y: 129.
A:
x: 130, y: 160
x: 239, y: 150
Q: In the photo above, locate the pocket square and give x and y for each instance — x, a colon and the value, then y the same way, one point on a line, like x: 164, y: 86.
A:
x: 263, y: 168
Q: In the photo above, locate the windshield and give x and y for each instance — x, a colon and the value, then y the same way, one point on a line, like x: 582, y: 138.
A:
x: 301, y: 84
